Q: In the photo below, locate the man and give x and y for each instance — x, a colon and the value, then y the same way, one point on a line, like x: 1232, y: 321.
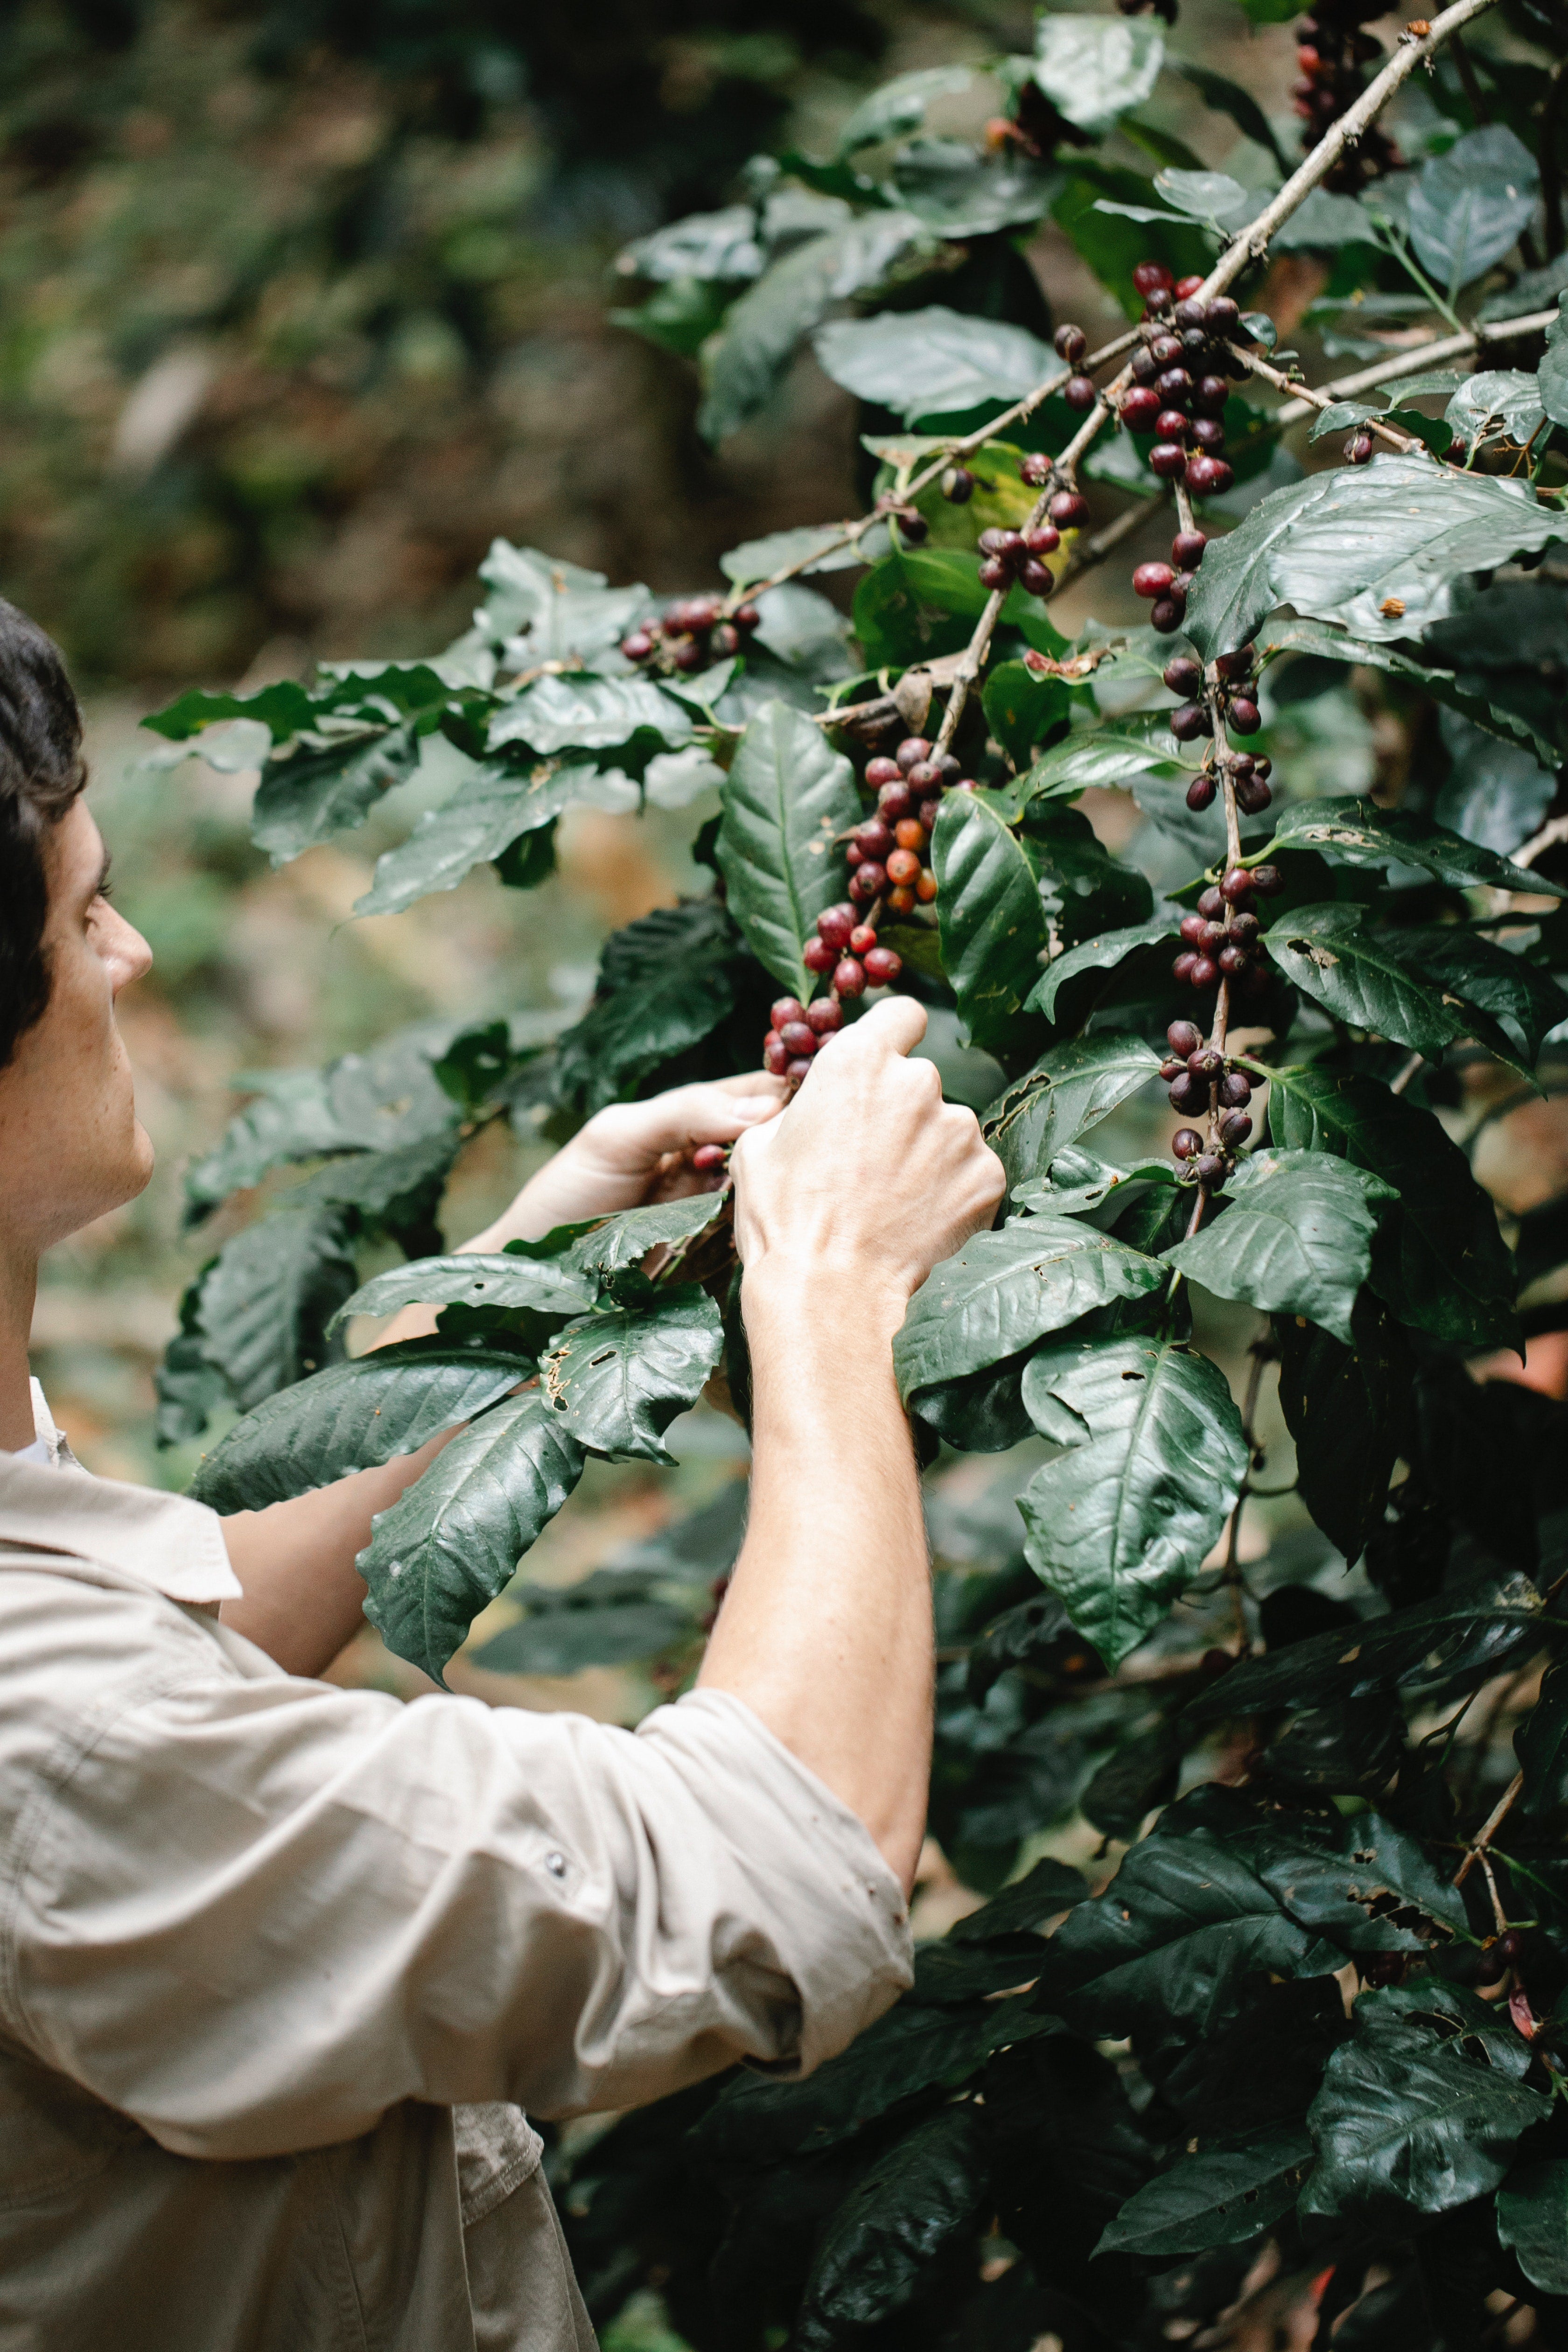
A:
x: 281, y: 1964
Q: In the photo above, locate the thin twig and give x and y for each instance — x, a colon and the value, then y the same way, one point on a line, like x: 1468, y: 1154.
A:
x: 1489, y: 1828
x: 1261, y: 1353
x: 1407, y: 1070
x: 1413, y: 361
x: 1406, y: 443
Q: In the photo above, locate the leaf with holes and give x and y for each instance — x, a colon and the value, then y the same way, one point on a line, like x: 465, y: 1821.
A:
x: 1220, y: 2197
x: 1069, y: 1089
x: 475, y: 1278
x: 1360, y: 834
x: 1357, y: 974
x: 787, y: 799
x: 1005, y: 1290
x: 1296, y: 1239
x: 1154, y: 1456
x: 1511, y: 1002
x: 617, y: 1379
x: 307, y: 798
x: 454, y: 1539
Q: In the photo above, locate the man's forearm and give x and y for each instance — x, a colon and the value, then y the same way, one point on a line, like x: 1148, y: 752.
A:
x: 825, y: 1631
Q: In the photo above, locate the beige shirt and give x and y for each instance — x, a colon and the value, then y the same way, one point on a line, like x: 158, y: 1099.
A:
x: 282, y: 1965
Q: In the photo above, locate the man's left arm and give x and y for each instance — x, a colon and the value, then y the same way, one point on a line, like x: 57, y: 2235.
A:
x: 303, y: 1599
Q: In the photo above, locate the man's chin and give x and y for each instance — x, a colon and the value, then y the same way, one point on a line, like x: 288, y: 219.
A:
x: 143, y: 1159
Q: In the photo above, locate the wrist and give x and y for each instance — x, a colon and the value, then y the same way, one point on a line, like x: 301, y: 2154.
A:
x: 779, y: 1288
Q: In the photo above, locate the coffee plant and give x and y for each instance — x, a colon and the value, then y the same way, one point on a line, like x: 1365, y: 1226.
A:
x: 1291, y: 2073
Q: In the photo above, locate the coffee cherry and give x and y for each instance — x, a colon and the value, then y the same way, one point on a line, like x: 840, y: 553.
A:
x: 1036, y: 579
x: 786, y: 1009
x: 903, y: 865
x: 883, y: 966
x: 1264, y: 768
x: 1209, y: 435
x: 1238, y: 663
x: 958, y: 486
x: 638, y: 646
x: 1183, y: 966
x: 854, y: 856
x: 999, y: 540
x: 913, y: 526
x: 1151, y: 277
x: 1034, y: 470
x: 1079, y: 392
x: 1268, y: 880
x: 746, y: 618
x: 1222, y: 316
x: 687, y: 654
x: 1208, y: 476
x: 722, y: 642
x: 798, y: 1037
x: 881, y: 771
x: 1359, y: 448
x: 895, y: 801
x: 1200, y: 796
x: 1174, y: 387
x: 1069, y: 509
x: 994, y: 573
x: 1072, y: 344
x: 1193, y: 927
x: 1165, y: 351
x: 1212, y: 905
x: 1171, y: 425
x: 1042, y: 540
x: 1187, y: 548
x: 1209, y: 395
x: 1207, y: 1063
x: 1235, y: 883
x: 926, y: 816
x: 1168, y: 459
x: 1184, y: 676
x: 1170, y: 1070
x: 924, y: 777
x: 817, y: 956
x: 1234, y: 1090
x: 1185, y: 1144
x: 849, y: 978
x: 1205, y: 973
x: 833, y: 926
x: 874, y: 837
x: 925, y: 888
x: 1151, y: 579
x: 862, y: 937
x: 901, y: 899
x: 1211, y: 1171
x: 799, y: 1069
x: 775, y: 1056
x: 1189, y: 1094
x: 1140, y: 407
x: 1244, y: 929
x: 1233, y: 961
x: 1235, y: 1128
x: 909, y: 833
x: 1252, y: 796
x: 912, y: 751
x: 868, y: 882
x: 1245, y: 718
x: 1144, y: 367
x: 709, y: 1158
x: 1168, y: 615
x: 1183, y: 1037
x: 948, y: 767
x: 1189, y: 721
x: 1186, y: 287
x: 826, y: 1015
x: 1189, y: 313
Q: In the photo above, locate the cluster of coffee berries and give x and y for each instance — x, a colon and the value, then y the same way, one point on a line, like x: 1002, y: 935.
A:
x: 1182, y: 374
x: 1169, y: 584
x: 1020, y: 555
x: 887, y: 852
x: 845, y: 949
x: 1233, y: 687
x: 1203, y: 1084
x: 1219, y: 938
x: 690, y: 634
x: 797, y: 1031
x: 1331, y: 53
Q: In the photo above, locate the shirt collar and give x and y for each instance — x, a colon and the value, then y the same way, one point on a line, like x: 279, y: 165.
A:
x: 164, y: 1540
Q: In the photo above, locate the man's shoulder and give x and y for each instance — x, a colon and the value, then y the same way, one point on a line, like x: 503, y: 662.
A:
x: 162, y: 1540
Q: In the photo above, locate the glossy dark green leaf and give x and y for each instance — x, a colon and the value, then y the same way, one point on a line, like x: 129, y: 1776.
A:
x: 397, y: 1190
x: 1360, y: 1880
x: 485, y: 815
x: 1360, y: 834
x: 1356, y: 972
x: 307, y: 798
x: 472, y: 1278
x: 269, y: 1298
x: 897, y: 2216
x: 1084, y: 887
x: 989, y: 907
x: 1070, y: 1090
x: 980, y: 1412
x: 1104, y: 952
x: 1350, y: 1750
x: 918, y: 603
x: 624, y: 1240
x: 1497, y: 793
x: 612, y: 1618
x: 1141, y: 1774
x: 1468, y: 205
x: 579, y: 713
x: 618, y: 1379
x: 1111, y: 753
x: 787, y: 800
x: 1221, y: 2197
x: 1540, y: 1744
x: 285, y: 707
x: 1295, y: 1240
x: 665, y: 982
x: 1342, y: 1408
x: 1050, y: 1887
x: 1421, y: 2110
x: 1183, y: 1925
x: 347, y: 1418
x: 1554, y: 375
x: 1021, y: 708
x: 1447, y: 1646
x: 1439, y: 1259
x: 935, y: 362
x: 453, y: 1540
x: 189, y: 1390
x: 1533, y: 2218
x: 1510, y: 1002
x: 1123, y: 1520
x: 1005, y: 1290
x: 1380, y: 548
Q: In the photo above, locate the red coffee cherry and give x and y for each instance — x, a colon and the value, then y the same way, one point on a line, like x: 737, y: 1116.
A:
x: 1168, y: 615
x: 826, y: 1015
x: 817, y: 956
x: 1041, y: 541
x: 1183, y: 1037
x: 1174, y: 387
x: 638, y: 646
x: 924, y: 777
x: 775, y: 1056
x: 798, y: 1037
x: 883, y: 966
x: 868, y: 882
x: 1186, y: 287
x: 709, y: 1157
x: 798, y: 1069
x: 785, y: 1010
x: 1212, y: 905
x: 1183, y: 966
x: 1205, y: 972
x: 1210, y: 393
x: 835, y: 925
x: 1034, y: 470
x: 1238, y: 663
x: 1211, y: 1171
x: 1245, y: 718
x: 1189, y: 721
x: 910, y: 752
x: 1140, y: 407
x: 1234, y: 884
x: 1069, y: 509
x: 994, y: 573
x: 1151, y: 579
x: 1222, y: 316
x: 882, y: 771
x: 1187, y: 550
x: 862, y: 937
x: 895, y: 801
x: 1209, y: 435
x: 1234, y: 1090
x: 1185, y: 1144
x: 1232, y: 961
x: 1200, y: 796
x: 1168, y: 459
x: 849, y: 979
x: 1072, y: 344
x: 1079, y: 392
x: 1035, y: 579
x: 1268, y: 880
x: 874, y: 837
x: 1171, y: 425
x: 1151, y: 277
x: 1193, y: 927
x: 1208, y: 476
x: 1184, y: 676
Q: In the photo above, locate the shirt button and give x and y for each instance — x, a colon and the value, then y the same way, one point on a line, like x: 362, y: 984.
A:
x: 555, y: 1864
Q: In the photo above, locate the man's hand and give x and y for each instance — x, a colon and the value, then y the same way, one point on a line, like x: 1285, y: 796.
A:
x: 870, y: 1176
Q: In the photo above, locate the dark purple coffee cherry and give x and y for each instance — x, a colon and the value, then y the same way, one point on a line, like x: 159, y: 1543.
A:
x: 1072, y: 344
x: 1035, y: 579
x: 1237, y: 663
x: 1209, y: 435
x: 1252, y: 796
x: 1167, y: 617
x: 1187, y: 548
x: 1244, y: 929
x: 1183, y: 966
x: 994, y: 573
x: 1221, y: 315
x: 1145, y: 367
x: 1175, y: 386
x: 1168, y: 459
x: 1205, y: 973
x: 1212, y: 1171
x: 1208, y: 1064
x: 1184, y: 676
x: 1151, y: 579
x: 910, y: 752
x: 1245, y: 718
x: 1234, y: 1090
x: 958, y: 486
x: 1171, y: 425
x: 1200, y: 796
x: 1209, y: 395
x: 1189, y: 1094
x: 1041, y: 540
x: 1140, y: 407
x: 1193, y: 929
x: 1191, y: 313
x: 1165, y: 351
x: 1069, y: 509
x: 1235, y: 884
x: 1170, y: 1071
x: 1235, y: 1128
x: 1233, y: 961
x: 1079, y: 392
x: 1268, y: 881
x: 1190, y: 720
x: 1212, y: 905
x: 1185, y: 1144
x: 1183, y: 1037
x: 1034, y: 470
x: 1208, y: 477
x: 1359, y: 448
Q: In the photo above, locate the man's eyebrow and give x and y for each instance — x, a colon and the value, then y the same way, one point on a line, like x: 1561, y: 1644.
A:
x: 101, y: 887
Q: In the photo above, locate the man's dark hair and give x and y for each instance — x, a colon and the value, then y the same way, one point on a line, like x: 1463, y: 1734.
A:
x: 41, y: 773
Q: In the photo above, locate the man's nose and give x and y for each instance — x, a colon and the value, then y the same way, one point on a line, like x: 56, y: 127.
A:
x: 128, y: 955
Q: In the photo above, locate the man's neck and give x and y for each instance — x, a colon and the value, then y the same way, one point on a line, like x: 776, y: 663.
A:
x: 18, y: 1289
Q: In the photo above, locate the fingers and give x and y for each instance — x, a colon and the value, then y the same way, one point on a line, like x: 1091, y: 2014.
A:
x: 894, y: 1026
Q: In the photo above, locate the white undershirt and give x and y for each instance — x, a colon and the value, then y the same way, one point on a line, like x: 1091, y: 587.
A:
x: 36, y: 1452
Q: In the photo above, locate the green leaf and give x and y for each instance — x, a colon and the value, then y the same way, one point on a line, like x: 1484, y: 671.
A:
x: 305, y: 799
x: 991, y: 916
x: 935, y: 362
x: 1021, y: 708
x: 894, y: 2222
x: 665, y: 982
x: 583, y: 713
x: 489, y: 811
x: 398, y: 1192
x: 1361, y: 1881
x: 348, y: 1418
x: 1183, y: 1925
x: 1050, y: 1886
x: 624, y: 1240
x: 612, y: 1618
x: 1230, y: 98
x: 746, y: 359
x: 1497, y: 794
x: 980, y: 1412
x: 958, y: 192
x: 1110, y: 950
x: 285, y: 709
x: 1140, y: 1774
x: 759, y: 558
x: 1122, y: 1522
x: 1110, y: 754
x: 1005, y: 1290
x: 1499, y: 654
x: 1498, y: 405
x: 1541, y: 1743
x: 1507, y: 998
x: 1360, y: 977
x: 269, y: 1299
x: 1069, y: 1089
x: 1378, y: 548
x: 721, y: 244
x: 1341, y: 1406
x: 1092, y: 68
x: 917, y: 604
x: 1439, y: 1260
x: 1213, y: 197
x: 617, y: 1379
x: 1468, y: 205
x: 1420, y: 2111
x: 453, y: 1540
x: 1083, y: 888
x: 1446, y: 1645
x: 473, y: 1278
x: 1295, y: 1240
x: 787, y: 799
x: 1552, y: 379
x: 1220, y: 2198
x: 1360, y: 834
x: 899, y: 106
x: 1533, y: 2218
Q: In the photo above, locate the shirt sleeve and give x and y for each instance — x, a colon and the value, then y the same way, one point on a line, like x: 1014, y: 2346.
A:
x: 256, y: 1914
